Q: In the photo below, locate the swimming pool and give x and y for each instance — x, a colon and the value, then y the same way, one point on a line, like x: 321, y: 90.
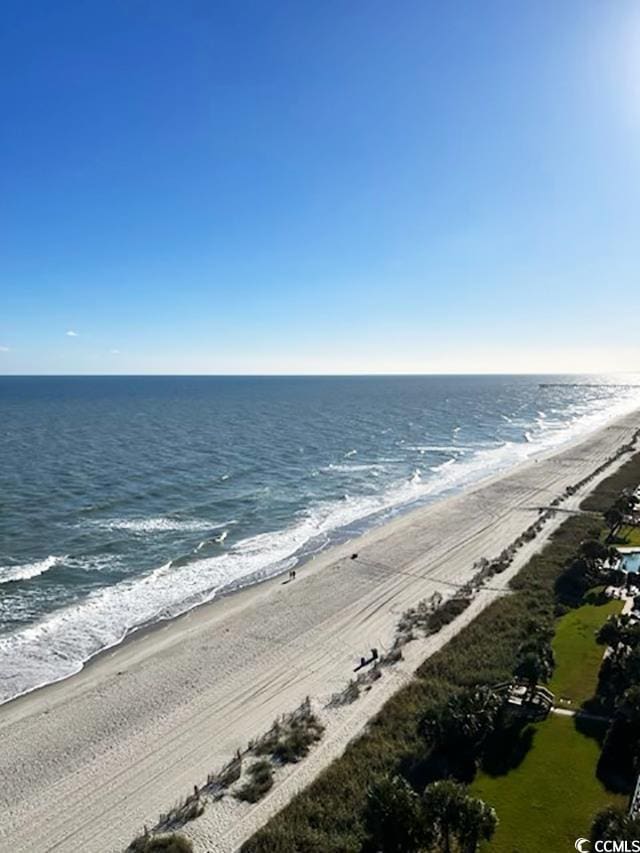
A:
x: 631, y: 562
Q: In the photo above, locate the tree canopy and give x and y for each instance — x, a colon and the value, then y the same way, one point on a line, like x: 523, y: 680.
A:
x: 400, y: 821
x: 466, y: 720
x: 612, y: 824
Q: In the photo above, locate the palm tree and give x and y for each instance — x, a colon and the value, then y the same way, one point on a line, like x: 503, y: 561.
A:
x: 478, y: 822
x: 613, y: 555
x: 532, y: 668
x: 402, y: 822
x: 626, y: 503
x: 536, y: 661
x: 630, y: 706
x: 593, y: 552
x: 619, y: 631
x: 613, y: 519
x: 466, y: 720
x: 396, y: 817
x: 455, y: 815
x: 612, y: 824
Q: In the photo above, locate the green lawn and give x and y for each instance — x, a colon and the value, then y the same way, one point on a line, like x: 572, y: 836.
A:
x: 549, y: 800
x: 578, y: 656
x: 631, y: 535
x: 626, y: 537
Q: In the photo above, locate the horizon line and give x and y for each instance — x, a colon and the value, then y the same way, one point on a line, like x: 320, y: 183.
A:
x: 307, y: 375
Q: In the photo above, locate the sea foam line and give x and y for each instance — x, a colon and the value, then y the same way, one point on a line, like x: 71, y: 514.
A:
x: 159, y: 525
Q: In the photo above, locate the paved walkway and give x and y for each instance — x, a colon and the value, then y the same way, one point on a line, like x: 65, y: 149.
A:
x: 568, y: 712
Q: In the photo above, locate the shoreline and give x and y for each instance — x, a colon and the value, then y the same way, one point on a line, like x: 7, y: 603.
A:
x: 177, y: 698
x: 381, y: 519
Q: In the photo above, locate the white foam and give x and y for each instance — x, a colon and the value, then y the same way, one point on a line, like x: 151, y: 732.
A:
x: 442, y: 466
x: 141, y: 526
x: 10, y: 574
x: 353, y: 466
x: 93, y: 562
x: 439, y: 448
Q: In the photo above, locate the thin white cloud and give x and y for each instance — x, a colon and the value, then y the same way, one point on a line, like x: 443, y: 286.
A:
x: 4, y: 349
x: 71, y: 334
x: 115, y: 352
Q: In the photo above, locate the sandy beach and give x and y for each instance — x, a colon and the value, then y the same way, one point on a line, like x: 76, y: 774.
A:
x: 86, y: 762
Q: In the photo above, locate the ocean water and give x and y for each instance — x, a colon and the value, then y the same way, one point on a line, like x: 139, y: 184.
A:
x: 128, y: 500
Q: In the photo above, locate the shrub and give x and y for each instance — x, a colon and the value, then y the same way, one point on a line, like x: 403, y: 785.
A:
x: 290, y: 740
x: 171, y: 842
x: 297, y: 742
x: 229, y: 774
x: 450, y: 610
x: 256, y: 787
x: 612, y: 824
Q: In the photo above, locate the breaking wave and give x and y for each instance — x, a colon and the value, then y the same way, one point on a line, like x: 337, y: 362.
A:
x: 12, y: 574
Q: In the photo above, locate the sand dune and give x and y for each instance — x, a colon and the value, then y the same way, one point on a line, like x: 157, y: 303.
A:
x: 86, y: 762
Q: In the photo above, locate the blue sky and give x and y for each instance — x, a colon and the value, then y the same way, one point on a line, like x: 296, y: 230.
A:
x: 336, y: 187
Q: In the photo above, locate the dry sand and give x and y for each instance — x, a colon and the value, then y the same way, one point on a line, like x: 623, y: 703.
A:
x: 86, y: 762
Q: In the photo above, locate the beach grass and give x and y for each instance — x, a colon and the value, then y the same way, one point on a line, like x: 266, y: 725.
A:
x: 549, y: 799
x: 605, y: 495
x: 578, y: 655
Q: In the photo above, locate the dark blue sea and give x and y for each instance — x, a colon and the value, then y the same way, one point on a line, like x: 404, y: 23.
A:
x: 127, y: 500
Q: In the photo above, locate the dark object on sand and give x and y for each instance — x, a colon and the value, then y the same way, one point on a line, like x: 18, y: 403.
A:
x: 365, y: 662
x: 354, y: 556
